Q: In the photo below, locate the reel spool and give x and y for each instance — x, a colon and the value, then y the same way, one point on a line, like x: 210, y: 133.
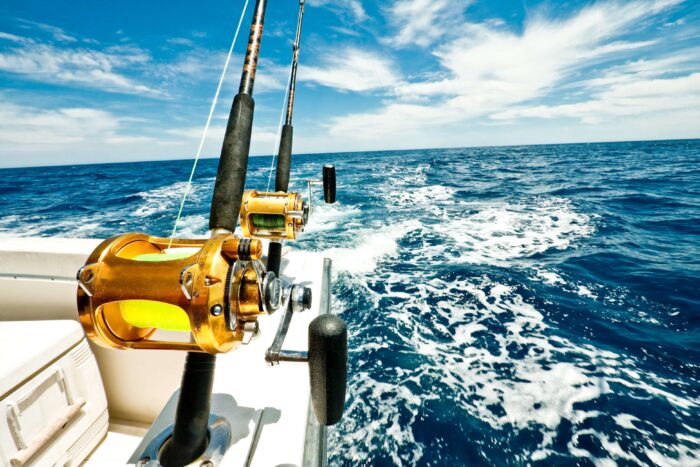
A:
x: 133, y: 285
x: 276, y: 216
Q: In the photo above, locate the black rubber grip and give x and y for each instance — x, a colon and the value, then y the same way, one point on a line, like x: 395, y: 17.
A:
x: 233, y: 164
x: 284, y: 159
x: 328, y: 362
x: 329, y: 184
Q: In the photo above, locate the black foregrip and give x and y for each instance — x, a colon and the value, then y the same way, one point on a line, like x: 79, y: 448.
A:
x: 328, y: 360
x: 233, y: 164
x: 274, y: 257
x: 284, y: 159
x: 190, y: 432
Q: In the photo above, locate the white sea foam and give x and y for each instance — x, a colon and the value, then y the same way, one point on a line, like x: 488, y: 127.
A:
x: 517, y: 374
x: 382, y: 424
x: 330, y: 217
x: 489, y: 234
x: 549, y: 277
x: 166, y: 198
x: 584, y: 291
x: 196, y: 226
x: 83, y: 227
x: 423, y: 196
x: 374, y: 245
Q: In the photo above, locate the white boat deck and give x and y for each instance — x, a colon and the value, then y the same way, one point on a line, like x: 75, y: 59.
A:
x: 272, y: 402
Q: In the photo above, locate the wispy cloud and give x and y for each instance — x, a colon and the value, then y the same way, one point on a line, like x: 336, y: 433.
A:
x: 180, y: 41
x: 635, y: 88
x: 58, y: 34
x: 79, y: 66
x: 421, y: 22
x: 26, y: 128
x: 13, y: 38
x: 352, y: 9
x: 352, y: 69
x: 489, y: 70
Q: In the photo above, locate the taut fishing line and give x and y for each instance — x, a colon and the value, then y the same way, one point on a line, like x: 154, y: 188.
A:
x: 206, y: 127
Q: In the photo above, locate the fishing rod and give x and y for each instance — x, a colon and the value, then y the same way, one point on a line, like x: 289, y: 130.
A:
x: 284, y: 155
x: 133, y: 285
x: 191, y: 427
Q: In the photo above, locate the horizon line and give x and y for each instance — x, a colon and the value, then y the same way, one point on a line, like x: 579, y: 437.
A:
x: 178, y: 159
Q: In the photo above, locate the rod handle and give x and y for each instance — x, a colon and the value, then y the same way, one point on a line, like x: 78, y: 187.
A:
x: 329, y: 184
x: 328, y: 362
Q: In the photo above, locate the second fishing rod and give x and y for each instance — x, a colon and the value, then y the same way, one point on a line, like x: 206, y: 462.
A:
x: 284, y: 156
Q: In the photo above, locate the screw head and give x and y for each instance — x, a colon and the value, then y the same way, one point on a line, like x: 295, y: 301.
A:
x: 216, y: 310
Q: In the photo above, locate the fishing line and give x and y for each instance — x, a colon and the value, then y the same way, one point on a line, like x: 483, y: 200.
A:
x: 279, y: 130
x: 206, y: 127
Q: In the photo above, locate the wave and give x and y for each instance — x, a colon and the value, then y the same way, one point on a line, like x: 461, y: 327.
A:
x: 491, y: 353
x: 498, y: 234
x: 376, y: 244
x: 166, y: 198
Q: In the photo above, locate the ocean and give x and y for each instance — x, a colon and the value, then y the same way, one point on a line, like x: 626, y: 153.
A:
x: 506, y: 305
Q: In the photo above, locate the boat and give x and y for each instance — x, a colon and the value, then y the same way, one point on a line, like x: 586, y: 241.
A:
x: 98, y: 380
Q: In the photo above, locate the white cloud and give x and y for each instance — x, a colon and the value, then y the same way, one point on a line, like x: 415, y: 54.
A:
x: 13, y: 38
x: 351, y: 8
x: 32, y: 135
x: 489, y: 70
x: 24, y: 128
x: 352, y: 69
x: 263, y: 141
x: 269, y: 77
x: 631, y: 96
x: 58, y: 34
x: 77, y: 66
x: 180, y: 41
x: 421, y: 22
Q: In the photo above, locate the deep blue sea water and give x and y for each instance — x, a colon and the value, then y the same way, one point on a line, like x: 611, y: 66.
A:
x: 506, y: 306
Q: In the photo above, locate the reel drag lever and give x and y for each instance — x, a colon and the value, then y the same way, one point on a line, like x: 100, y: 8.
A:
x: 327, y: 355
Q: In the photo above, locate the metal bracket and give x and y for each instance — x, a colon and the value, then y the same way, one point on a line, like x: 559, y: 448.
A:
x: 293, y: 294
x: 219, y: 439
x: 186, y: 281
x: 309, y: 183
x: 81, y: 284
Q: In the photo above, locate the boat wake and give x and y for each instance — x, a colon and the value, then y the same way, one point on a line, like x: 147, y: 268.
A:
x: 445, y: 337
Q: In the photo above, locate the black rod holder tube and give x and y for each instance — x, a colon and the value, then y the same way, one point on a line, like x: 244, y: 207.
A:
x: 233, y: 163
x: 190, y: 433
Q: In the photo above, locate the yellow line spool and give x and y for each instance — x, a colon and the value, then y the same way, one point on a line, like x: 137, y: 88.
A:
x: 151, y: 314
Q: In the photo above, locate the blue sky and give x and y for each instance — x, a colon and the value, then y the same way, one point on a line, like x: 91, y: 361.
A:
x: 86, y: 81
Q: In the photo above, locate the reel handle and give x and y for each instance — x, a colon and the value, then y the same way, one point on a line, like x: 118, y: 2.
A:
x: 329, y: 184
x: 328, y: 362
x: 327, y: 355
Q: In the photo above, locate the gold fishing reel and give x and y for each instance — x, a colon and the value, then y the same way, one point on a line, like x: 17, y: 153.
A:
x: 275, y: 216
x: 133, y: 286
x: 280, y: 215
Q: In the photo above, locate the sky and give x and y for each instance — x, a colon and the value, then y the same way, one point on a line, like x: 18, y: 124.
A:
x: 90, y: 82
